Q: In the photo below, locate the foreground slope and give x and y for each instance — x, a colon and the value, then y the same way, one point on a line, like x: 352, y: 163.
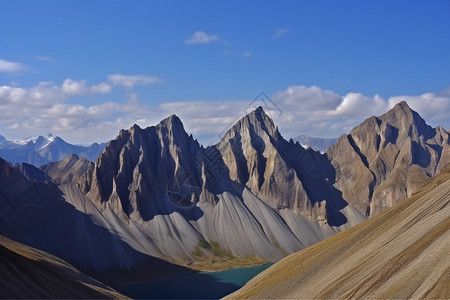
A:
x: 26, y: 272
x: 401, y: 253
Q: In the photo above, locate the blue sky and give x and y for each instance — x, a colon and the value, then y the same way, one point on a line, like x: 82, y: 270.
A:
x: 85, y: 69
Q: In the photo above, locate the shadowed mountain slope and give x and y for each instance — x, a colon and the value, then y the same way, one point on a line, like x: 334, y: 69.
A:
x: 35, y: 213
x: 401, y: 253
x: 26, y: 272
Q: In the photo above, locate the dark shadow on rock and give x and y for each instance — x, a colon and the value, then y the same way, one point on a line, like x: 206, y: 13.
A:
x: 317, y: 175
x: 36, y: 214
x: 420, y: 156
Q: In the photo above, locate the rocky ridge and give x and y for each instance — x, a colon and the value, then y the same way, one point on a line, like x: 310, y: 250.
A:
x: 156, y: 193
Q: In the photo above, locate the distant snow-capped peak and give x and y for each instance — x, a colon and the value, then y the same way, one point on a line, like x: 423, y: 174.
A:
x: 48, y: 139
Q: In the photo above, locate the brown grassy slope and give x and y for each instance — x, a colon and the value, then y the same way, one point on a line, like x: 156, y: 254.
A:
x: 401, y: 253
x: 26, y: 272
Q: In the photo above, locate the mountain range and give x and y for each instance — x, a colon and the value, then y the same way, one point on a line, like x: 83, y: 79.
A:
x: 44, y: 276
x: 156, y: 199
x: 44, y: 149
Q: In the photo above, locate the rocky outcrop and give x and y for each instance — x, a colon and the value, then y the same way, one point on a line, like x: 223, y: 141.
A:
x: 386, y: 159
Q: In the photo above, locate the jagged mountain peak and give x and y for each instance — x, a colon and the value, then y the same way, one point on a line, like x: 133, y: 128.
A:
x: 172, y: 125
x: 401, y: 115
x: 71, y: 158
x: 68, y: 169
x: 400, y: 110
x: 396, y: 126
x: 172, y: 122
x: 138, y: 163
x: 256, y: 123
x: 403, y: 106
x: 390, y: 156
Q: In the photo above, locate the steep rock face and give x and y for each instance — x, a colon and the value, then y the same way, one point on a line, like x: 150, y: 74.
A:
x: 137, y: 172
x: 386, y: 158
x: 250, y: 152
x: 283, y: 174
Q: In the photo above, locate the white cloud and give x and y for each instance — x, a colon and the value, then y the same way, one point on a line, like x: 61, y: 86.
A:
x: 10, y: 66
x: 129, y: 81
x: 247, y: 54
x: 73, y: 87
x: 102, y: 88
x: 201, y: 37
x: 318, y: 112
x: 305, y: 110
x: 356, y: 104
x: 280, y: 32
x: 308, y: 98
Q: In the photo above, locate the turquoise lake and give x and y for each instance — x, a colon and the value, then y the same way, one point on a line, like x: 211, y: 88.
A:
x: 201, y: 285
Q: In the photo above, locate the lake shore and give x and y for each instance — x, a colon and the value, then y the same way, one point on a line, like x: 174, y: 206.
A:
x: 196, y: 285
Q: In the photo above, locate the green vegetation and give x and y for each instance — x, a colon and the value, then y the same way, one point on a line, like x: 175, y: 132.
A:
x: 198, y: 252
x: 220, y: 264
x: 212, y: 257
x: 203, y: 244
x: 219, y: 252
